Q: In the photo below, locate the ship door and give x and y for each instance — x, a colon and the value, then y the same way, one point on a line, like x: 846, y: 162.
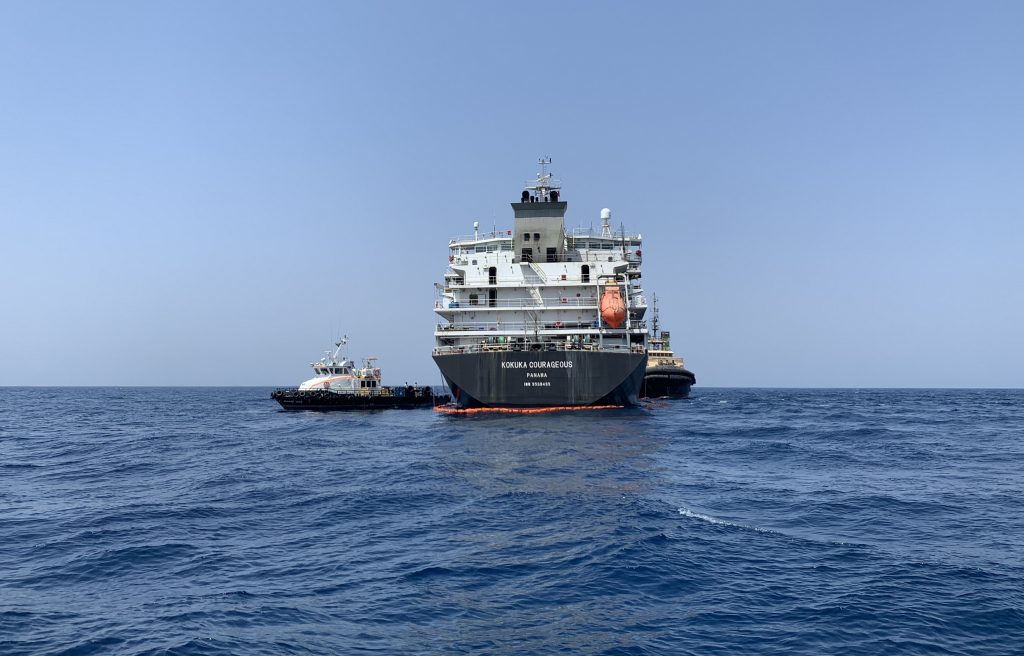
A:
x: 585, y: 272
x: 492, y: 276
x: 492, y: 297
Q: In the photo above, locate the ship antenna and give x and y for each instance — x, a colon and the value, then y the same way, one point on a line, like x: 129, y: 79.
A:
x: 654, y: 312
x: 544, y: 185
x: 340, y: 343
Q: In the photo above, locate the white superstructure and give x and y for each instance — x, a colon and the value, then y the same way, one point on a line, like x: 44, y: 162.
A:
x: 540, y: 287
x: 337, y: 373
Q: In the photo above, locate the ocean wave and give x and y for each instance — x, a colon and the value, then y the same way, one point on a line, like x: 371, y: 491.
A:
x: 806, y: 521
x: 686, y: 512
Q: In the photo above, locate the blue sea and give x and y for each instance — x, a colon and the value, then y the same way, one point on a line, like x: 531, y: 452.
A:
x: 740, y: 521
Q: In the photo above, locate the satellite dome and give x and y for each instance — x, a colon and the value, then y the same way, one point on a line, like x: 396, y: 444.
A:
x: 606, y: 213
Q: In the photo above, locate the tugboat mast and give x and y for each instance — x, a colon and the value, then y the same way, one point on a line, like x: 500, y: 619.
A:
x: 340, y: 344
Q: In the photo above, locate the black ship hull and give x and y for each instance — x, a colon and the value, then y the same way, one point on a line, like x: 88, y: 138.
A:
x: 293, y: 399
x: 671, y: 382
x: 540, y: 379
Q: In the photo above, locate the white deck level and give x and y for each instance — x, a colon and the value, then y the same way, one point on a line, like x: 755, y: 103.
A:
x: 490, y: 301
x: 538, y: 287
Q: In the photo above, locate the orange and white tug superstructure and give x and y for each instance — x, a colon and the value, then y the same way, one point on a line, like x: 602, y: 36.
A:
x: 336, y: 372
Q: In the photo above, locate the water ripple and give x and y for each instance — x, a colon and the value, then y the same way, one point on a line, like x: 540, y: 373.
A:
x: 205, y: 521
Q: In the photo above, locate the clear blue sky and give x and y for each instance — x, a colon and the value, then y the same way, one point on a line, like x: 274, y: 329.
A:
x: 205, y: 193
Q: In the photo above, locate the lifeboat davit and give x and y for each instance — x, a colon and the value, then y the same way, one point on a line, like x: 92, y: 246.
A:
x: 613, y: 309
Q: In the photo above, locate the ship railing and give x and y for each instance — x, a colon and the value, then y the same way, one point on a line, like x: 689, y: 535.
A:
x: 613, y: 255
x: 592, y: 233
x: 388, y: 391
x: 577, y: 233
x: 452, y: 281
x: 534, y: 347
x: 549, y: 303
x: 481, y: 236
x: 530, y: 326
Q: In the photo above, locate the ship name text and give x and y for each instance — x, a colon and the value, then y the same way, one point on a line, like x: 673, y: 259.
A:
x: 540, y: 364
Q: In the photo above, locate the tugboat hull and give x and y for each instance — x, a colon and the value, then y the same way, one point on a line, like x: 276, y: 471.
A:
x: 543, y: 378
x: 671, y: 382
x: 293, y: 399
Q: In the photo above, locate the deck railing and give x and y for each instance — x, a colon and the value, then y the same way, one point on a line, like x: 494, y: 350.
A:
x: 553, y: 304
x: 530, y: 326
x: 612, y: 255
x: 543, y: 347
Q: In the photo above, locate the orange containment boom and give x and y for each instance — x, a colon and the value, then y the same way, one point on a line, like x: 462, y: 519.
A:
x: 452, y: 410
x: 613, y: 309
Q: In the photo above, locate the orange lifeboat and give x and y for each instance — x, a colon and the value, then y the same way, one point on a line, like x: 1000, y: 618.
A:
x: 613, y: 309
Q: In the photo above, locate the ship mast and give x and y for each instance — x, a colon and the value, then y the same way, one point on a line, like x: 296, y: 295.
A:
x: 339, y: 344
x: 545, y: 187
x: 654, y: 314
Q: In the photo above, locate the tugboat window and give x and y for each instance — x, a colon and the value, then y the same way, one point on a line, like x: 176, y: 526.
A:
x: 526, y: 236
x: 536, y: 236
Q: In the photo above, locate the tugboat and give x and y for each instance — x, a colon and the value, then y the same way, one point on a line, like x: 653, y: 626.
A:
x: 666, y: 375
x: 540, y: 317
x: 339, y: 385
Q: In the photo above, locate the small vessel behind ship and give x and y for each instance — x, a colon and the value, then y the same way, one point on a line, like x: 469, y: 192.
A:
x: 666, y: 374
x: 537, y: 316
x: 339, y: 385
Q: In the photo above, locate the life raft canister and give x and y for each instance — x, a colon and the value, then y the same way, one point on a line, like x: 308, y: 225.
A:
x: 613, y: 309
